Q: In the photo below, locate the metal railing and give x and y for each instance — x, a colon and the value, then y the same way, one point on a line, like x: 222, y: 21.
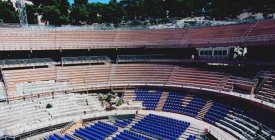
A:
x: 216, y: 134
x: 110, y: 26
x: 261, y: 75
x: 85, y: 59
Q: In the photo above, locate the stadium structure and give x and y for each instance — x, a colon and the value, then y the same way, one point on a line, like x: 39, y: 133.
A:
x: 192, y: 83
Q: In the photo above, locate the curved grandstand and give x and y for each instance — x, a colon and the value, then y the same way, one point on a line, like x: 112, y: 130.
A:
x: 196, y: 89
x: 249, y: 34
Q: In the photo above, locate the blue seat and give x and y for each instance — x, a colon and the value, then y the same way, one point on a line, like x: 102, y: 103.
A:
x: 161, y: 127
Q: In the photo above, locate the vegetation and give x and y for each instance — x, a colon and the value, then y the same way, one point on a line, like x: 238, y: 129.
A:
x: 8, y: 13
x: 119, y: 102
x: 60, y: 12
x: 49, y: 106
x: 110, y: 100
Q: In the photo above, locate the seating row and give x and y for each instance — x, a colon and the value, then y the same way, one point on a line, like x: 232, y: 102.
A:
x: 161, y: 127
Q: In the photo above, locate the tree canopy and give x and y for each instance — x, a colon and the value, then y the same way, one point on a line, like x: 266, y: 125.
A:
x: 8, y: 13
x: 59, y: 12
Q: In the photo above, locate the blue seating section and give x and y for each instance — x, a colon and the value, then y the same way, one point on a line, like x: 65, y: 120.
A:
x: 150, y: 99
x: 161, y: 127
x: 216, y: 112
x: 190, y: 137
x: 174, y: 103
x: 129, y: 135
x: 97, y: 131
x: 194, y: 107
x: 123, y: 123
x: 57, y: 137
x: 54, y: 137
x: 67, y: 137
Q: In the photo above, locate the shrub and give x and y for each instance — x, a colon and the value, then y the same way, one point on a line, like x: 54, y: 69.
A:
x: 49, y: 106
x: 119, y: 102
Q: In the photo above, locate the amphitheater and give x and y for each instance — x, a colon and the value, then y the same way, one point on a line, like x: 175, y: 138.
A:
x: 57, y: 93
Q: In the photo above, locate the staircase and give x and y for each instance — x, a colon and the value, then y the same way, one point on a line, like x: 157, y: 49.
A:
x: 251, y: 28
x: 136, y: 119
x: 263, y: 77
x: 71, y: 127
x: 173, y: 74
x: 162, y: 101
x: 186, y: 100
x: 205, y: 109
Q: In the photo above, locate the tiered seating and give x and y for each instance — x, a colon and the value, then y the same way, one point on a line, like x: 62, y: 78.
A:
x: 41, y: 87
x: 84, y: 76
x: 216, y: 112
x: 129, y: 135
x: 85, y: 38
x: 240, y: 85
x: 190, y: 137
x: 68, y: 137
x: 197, y: 77
x: 174, y: 103
x: 129, y: 94
x: 70, y: 105
x: 14, y: 77
x: 204, y: 36
x: 19, y: 115
x: 226, y: 117
x: 264, y: 26
x: 194, y: 107
x: 97, y: 131
x: 161, y: 127
x: 249, y: 126
x: 267, y: 91
x: 123, y: 123
x: 58, y: 38
x: 149, y: 37
x: 232, y: 34
x: 54, y: 137
x: 23, y: 82
x: 23, y: 116
x: 150, y: 99
x: 3, y: 94
x: 140, y: 73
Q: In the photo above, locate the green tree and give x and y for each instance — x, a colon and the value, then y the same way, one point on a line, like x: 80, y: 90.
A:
x: 64, y: 7
x: 94, y: 12
x: 134, y: 9
x: 56, y: 12
x: 79, y: 14
x: 51, y: 14
x: 114, y: 12
x: 8, y: 13
x: 31, y: 11
x: 80, y: 2
x: 154, y: 8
